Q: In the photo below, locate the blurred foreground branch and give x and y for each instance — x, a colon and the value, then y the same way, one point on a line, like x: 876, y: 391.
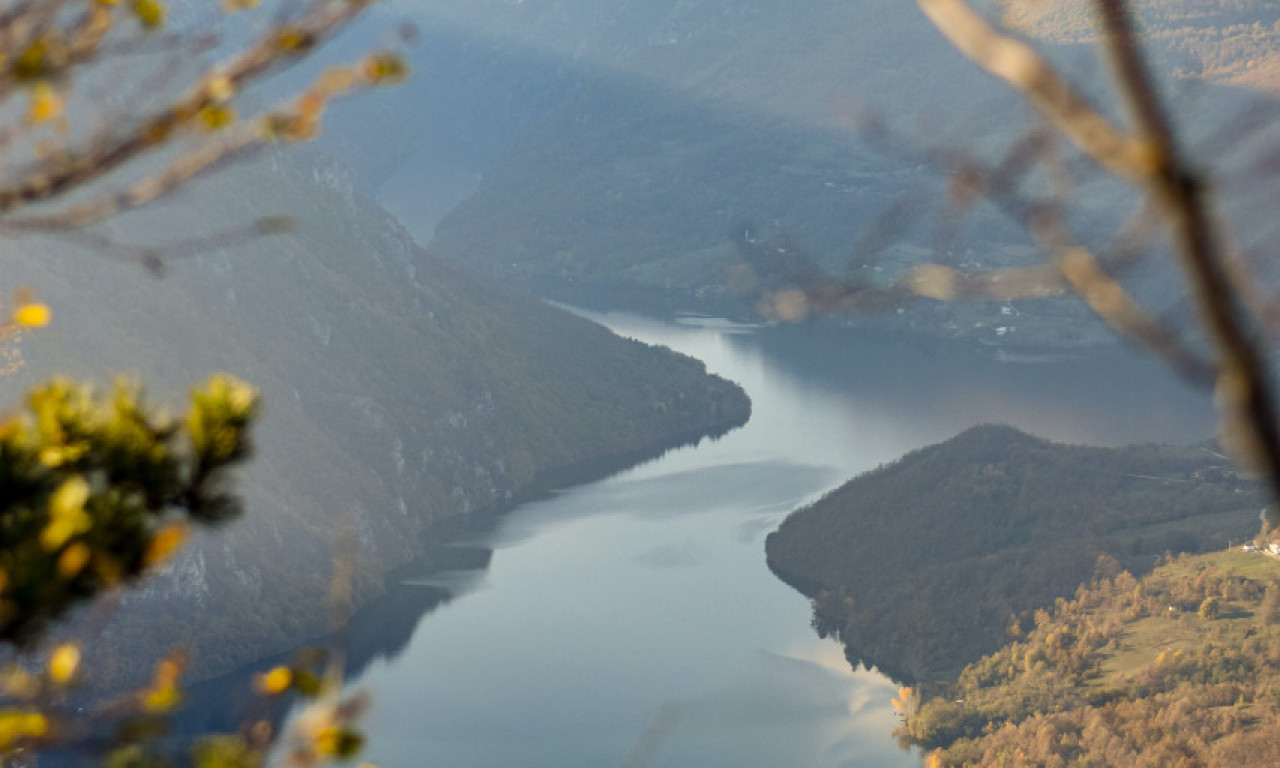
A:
x: 107, y: 106
x: 1148, y: 156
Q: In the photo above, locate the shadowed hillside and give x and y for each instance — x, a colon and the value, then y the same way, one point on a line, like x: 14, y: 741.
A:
x: 399, y: 389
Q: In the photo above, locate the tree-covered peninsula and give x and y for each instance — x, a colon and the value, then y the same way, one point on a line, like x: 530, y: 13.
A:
x: 921, y: 565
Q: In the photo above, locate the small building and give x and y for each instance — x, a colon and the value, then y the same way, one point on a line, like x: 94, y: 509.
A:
x: 1248, y: 546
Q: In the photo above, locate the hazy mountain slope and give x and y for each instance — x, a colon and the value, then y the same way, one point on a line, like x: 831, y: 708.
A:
x: 638, y: 140
x: 399, y: 389
x: 737, y: 115
x: 716, y: 120
x: 919, y: 565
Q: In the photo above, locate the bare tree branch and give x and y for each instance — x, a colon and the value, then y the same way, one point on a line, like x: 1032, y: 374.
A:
x: 1152, y: 161
x: 1024, y: 69
x: 1243, y: 390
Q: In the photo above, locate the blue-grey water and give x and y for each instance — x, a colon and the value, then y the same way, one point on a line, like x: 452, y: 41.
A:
x: 632, y: 621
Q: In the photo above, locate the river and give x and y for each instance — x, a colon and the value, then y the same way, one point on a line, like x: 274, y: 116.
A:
x: 632, y: 621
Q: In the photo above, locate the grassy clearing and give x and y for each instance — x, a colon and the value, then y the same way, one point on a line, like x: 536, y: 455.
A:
x: 1181, y: 630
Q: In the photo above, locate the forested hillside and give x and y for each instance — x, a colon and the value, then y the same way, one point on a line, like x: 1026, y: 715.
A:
x: 1178, y: 668
x: 399, y: 389
x: 919, y: 566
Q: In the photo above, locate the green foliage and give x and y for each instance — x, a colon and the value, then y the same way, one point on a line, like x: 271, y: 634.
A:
x: 97, y: 489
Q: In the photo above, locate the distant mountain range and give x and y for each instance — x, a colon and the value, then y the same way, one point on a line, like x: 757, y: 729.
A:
x: 638, y: 144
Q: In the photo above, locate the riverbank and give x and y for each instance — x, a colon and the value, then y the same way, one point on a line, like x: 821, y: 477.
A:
x: 1056, y: 325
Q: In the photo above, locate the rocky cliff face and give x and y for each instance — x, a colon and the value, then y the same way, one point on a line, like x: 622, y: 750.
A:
x: 399, y: 389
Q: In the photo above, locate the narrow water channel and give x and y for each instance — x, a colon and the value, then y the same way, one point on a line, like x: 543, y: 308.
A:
x: 632, y: 622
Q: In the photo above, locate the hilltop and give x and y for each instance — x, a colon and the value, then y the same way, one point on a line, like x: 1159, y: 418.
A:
x: 920, y: 565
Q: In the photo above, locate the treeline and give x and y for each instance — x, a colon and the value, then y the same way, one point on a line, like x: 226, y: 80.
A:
x: 1236, y: 42
x: 920, y: 566
x: 1180, y: 668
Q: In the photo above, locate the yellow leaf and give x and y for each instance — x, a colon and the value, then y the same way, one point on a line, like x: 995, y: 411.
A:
x: 19, y: 724
x: 66, y: 513
x: 32, y: 62
x: 149, y: 12
x: 73, y: 560
x: 337, y: 741
x: 165, y: 543
x: 164, y: 694
x: 46, y: 103
x: 63, y: 663
x: 216, y: 116
x: 273, y: 682
x: 385, y: 68
x: 34, y: 315
x: 70, y: 498
x: 162, y: 698
x: 56, y: 455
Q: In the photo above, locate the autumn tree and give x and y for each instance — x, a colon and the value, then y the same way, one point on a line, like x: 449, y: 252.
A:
x: 106, y: 106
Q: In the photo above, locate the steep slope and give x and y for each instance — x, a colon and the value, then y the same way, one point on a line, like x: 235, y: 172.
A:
x: 920, y: 565
x: 400, y: 389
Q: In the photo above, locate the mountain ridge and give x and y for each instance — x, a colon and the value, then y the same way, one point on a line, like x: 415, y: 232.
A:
x: 399, y: 389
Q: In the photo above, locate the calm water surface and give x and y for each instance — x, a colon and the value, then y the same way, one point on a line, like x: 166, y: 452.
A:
x: 632, y: 622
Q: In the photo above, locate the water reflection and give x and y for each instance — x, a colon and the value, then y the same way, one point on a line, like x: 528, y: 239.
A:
x: 633, y: 622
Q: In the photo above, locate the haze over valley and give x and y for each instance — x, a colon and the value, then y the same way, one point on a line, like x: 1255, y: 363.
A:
x: 605, y: 421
